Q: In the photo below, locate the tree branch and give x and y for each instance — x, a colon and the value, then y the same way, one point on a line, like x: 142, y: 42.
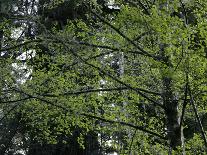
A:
x: 95, y: 117
x: 14, y: 101
x: 90, y: 58
x: 117, y: 80
x: 19, y: 45
x: 143, y: 52
x: 108, y: 48
x: 108, y: 74
x: 98, y: 90
x: 184, y: 13
x: 14, y: 56
x: 140, y: 4
x: 14, y: 107
x: 125, y: 124
x: 52, y: 38
x: 197, y: 116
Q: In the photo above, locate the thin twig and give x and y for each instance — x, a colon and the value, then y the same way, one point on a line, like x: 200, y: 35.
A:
x: 20, y: 45
x: 14, y: 101
x: 132, y: 140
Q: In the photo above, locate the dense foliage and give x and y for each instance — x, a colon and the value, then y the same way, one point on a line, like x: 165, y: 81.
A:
x: 94, y: 77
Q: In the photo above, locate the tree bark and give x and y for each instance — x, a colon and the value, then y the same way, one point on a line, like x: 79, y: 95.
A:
x: 174, y: 132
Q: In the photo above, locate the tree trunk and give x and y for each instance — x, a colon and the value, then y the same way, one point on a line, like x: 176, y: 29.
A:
x: 174, y: 132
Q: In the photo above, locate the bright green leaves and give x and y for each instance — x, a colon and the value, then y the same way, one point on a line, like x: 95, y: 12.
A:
x: 132, y: 51
x: 195, y: 145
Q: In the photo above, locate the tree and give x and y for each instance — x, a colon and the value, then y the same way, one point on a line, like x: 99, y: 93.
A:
x: 134, y: 76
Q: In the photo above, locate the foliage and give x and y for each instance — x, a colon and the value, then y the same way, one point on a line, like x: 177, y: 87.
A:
x: 133, y: 78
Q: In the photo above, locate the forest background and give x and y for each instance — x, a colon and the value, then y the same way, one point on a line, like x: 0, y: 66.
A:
x: 93, y: 77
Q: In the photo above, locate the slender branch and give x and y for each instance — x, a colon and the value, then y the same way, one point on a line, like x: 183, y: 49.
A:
x: 184, y: 13
x: 141, y: 128
x: 19, y: 45
x: 108, y: 48
x: 14, y: 101
x: 180, y: 58
x: 125, y: 37
x: 117, y: 80
x: 97, y: 46
x: 38, y: 98
x: 54, y: 38
x: 108, y: 74
x: 140, y: 4
x: 140, y: 36
x: 98, y: 90
x: 87, y: 59
x: 12, y: 109
x: 197, y: 116
x: 132, y: 140
x: 15, y: 55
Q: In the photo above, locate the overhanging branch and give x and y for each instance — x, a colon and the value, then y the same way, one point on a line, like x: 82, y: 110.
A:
x: 98, y: 90
x: 14, y: 101
x: 59, y: 40
x: 73, y: 42
x: 117, y: 80
x: 197, y: 116
x: 125, y: 124
x: 95, y: 117
x: 14, y: 56
x: 18, y: 102
x: 19, y: 45
x: 145, y: 53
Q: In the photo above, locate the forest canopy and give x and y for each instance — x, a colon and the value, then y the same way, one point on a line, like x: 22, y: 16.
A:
x: 94, y: 77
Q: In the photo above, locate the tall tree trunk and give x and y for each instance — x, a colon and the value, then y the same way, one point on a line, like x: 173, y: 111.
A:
x: 174, y: 132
